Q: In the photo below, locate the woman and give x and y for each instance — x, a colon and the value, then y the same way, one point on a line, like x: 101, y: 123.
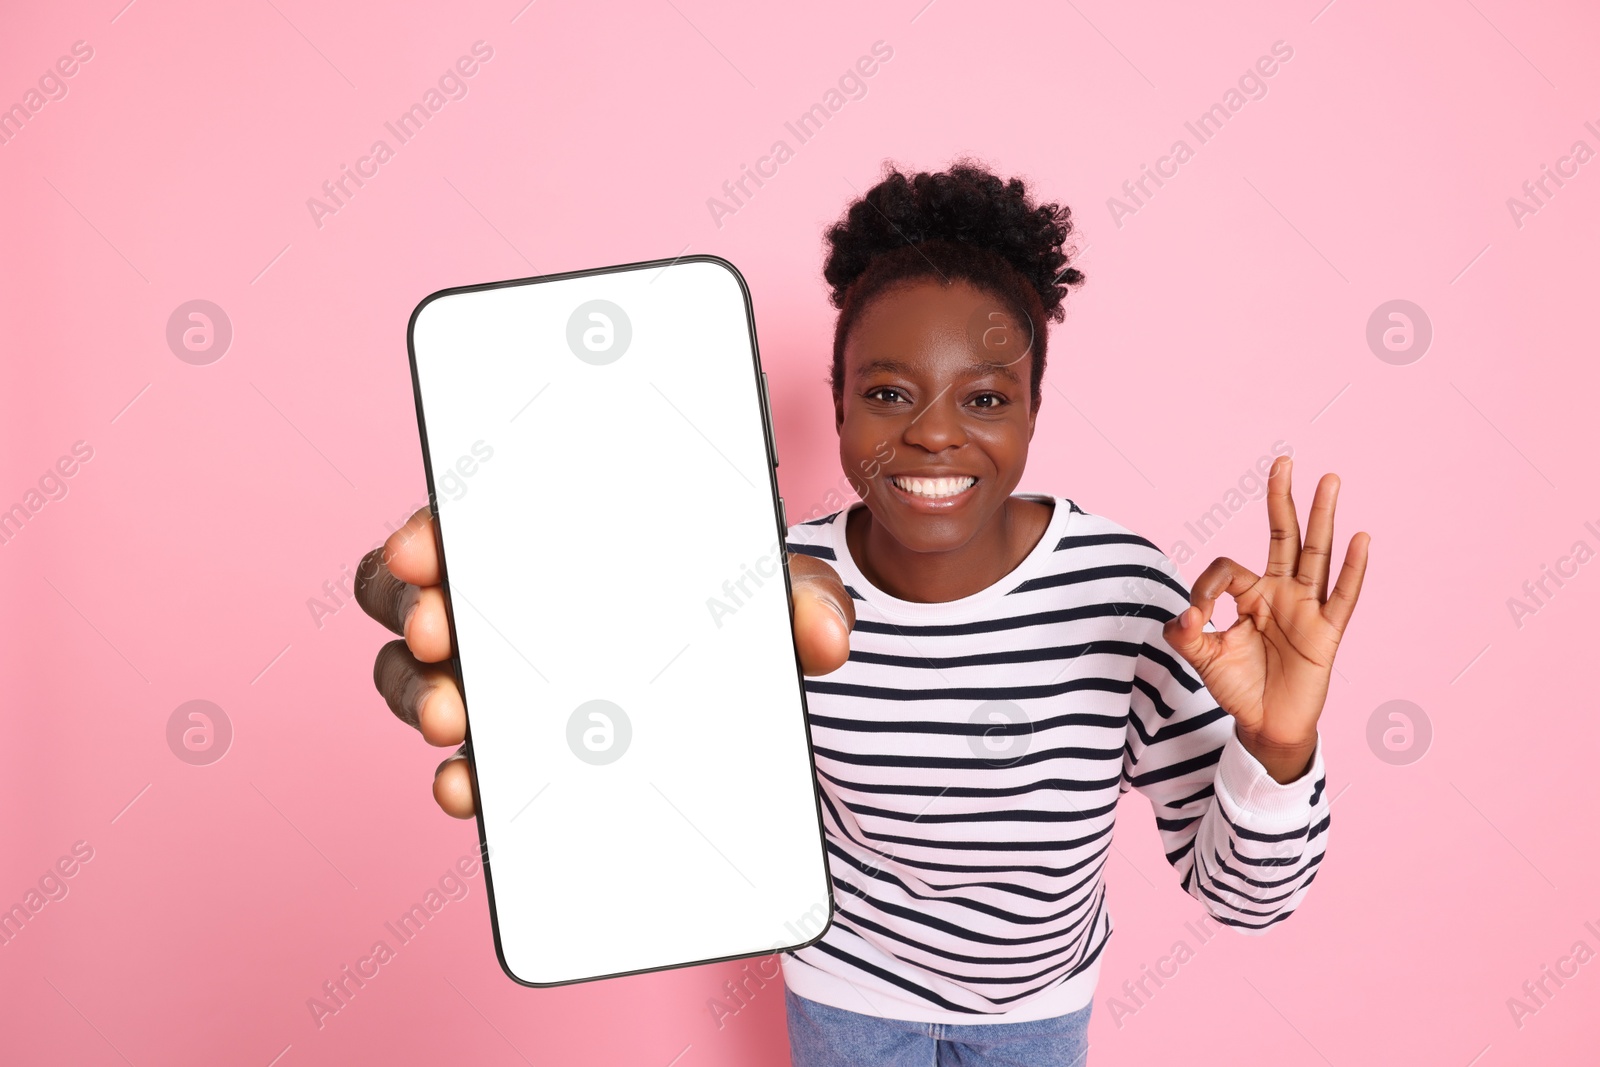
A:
x: 999, y: 667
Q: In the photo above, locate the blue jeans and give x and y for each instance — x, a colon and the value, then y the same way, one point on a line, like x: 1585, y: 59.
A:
x: 825, y: 1036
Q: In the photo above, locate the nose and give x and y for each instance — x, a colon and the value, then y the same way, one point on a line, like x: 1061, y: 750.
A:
x: 936, y: 425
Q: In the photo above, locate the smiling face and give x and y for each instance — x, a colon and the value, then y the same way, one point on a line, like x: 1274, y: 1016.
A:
x: 936, y: 378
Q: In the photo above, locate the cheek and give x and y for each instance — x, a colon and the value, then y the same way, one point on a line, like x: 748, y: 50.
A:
x: 1005, y: 442
x: 856, y: 456
x: 854, y: 432
x: 864, y: 444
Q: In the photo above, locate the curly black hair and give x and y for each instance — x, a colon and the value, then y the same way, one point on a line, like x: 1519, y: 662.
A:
x: 963, y: 222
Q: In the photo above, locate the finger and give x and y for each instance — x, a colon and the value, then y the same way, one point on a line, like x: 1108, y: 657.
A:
x: 1342, y: 601
x: 1317, y: 554
x: 1223, y: 575
x: 413, y: 550
x: 1186, y: 631
x: 382, y: 595
x: 428, y: 628
x: 417, y: 614
x: 420, y: 695
x: 823, y: 615
x: 1283, y: 554
x: 452, y: 786
x: 1187, y: 635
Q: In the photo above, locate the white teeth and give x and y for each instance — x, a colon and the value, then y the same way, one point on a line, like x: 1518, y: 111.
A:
x: 934, y: 487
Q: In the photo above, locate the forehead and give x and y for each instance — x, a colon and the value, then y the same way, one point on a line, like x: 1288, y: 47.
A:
x: 934, y: 327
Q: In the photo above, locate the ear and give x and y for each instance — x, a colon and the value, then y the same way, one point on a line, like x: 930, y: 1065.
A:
x: 1033, y: 413
x: 838, y: 411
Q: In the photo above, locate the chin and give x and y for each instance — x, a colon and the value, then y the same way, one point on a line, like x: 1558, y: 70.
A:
x: 932, y: 525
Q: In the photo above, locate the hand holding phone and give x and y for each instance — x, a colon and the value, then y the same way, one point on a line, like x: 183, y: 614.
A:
x: 398, y: 585
x: 683, y: 823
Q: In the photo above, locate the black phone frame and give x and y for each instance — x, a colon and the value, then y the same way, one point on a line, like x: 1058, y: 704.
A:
x: 455, y: 660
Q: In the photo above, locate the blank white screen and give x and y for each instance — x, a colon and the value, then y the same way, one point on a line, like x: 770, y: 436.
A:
x: 615, y: 502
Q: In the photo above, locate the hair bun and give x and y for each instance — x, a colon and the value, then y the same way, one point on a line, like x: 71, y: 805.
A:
x: 966, y: 204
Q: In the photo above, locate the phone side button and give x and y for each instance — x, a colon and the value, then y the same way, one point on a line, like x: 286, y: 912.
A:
x: 783, y: 518
x: 772, y: 434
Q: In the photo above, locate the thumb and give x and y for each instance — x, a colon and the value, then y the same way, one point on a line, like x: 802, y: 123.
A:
x: 1187, y: 635
x: 823, y: 615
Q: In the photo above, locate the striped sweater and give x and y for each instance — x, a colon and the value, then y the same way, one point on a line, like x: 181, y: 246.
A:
x: 970, y: 755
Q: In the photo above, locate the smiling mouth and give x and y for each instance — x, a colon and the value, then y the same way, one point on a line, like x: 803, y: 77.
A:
x: 933, y: 488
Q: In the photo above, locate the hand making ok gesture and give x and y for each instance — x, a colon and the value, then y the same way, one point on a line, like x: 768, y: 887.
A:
x: 1270, y: 669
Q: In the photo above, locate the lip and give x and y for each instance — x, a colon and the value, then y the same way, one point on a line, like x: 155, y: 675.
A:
x: 932, y: 505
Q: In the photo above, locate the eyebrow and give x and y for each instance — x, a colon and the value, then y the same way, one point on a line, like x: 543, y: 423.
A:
x: 971, y: 370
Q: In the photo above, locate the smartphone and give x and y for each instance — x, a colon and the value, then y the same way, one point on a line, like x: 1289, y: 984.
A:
x: 599, y: 453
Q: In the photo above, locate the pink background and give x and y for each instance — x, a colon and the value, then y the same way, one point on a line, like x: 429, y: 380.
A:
x: 1228, y: 313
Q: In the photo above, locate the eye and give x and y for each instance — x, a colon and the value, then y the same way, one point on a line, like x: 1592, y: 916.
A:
x: 877, y: 394
x: 996, y: 400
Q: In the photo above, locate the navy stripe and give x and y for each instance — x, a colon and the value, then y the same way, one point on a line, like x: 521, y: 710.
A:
x: 819, y: 551
x: 1104, y: 573
x: 1078, y: 613
x: 970, y: 692
x: 928, y: 839
x: 1126, y: 649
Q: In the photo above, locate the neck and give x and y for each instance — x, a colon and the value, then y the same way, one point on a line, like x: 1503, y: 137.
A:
x: 937, y: 577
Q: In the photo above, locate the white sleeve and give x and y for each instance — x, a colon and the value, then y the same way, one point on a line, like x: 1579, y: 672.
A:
x: 1244, y: 845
